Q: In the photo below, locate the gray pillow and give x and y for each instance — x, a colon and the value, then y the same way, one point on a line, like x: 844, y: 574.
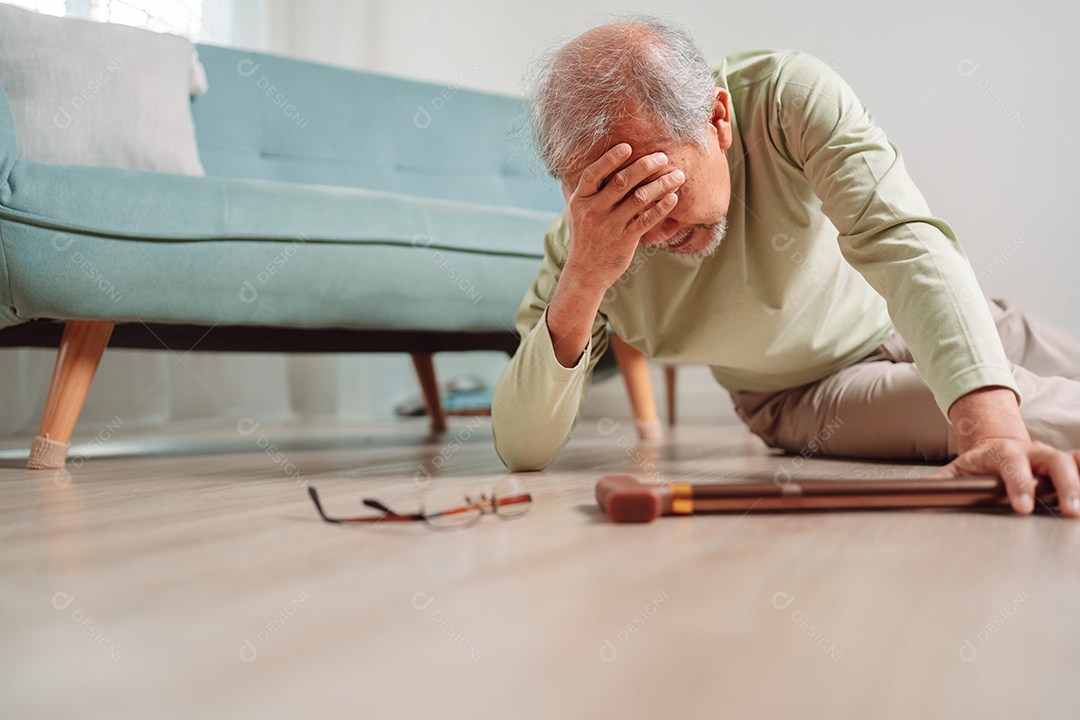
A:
x: 89, y: 93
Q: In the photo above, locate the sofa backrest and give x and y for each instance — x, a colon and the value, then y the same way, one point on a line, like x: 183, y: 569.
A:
x: 291, y: 120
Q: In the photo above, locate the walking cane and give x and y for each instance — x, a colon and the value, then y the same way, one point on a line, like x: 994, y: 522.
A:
x: 625, y: 499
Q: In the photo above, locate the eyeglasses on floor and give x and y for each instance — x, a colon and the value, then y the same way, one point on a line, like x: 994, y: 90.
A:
x: 447, y: 507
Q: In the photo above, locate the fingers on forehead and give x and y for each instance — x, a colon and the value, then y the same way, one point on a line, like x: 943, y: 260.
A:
x: 611, y: 158
x: 596, y: 171
x: 645, y: 168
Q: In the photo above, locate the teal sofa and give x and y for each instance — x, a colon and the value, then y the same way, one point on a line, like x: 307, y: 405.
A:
x: 342, y: 211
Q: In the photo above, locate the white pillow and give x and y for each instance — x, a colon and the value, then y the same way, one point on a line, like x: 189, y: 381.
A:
x: 89, y: 93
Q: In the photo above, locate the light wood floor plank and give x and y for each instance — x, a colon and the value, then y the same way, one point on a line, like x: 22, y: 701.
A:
x: 194, y: 580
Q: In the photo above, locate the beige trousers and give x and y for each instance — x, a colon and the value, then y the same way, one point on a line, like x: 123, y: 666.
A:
x: 881, y: 408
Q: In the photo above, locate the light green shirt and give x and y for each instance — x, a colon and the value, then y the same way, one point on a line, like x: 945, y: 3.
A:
x: 830, y: 247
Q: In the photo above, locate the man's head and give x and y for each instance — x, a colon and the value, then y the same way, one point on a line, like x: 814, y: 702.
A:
x: 645, y: 83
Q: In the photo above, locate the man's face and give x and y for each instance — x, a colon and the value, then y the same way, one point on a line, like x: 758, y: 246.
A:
x: 694, y: 226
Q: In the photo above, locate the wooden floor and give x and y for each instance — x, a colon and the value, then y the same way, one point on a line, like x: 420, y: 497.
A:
x: 193, y: 580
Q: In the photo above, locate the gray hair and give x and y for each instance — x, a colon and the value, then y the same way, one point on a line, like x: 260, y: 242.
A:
x: 582, y: 90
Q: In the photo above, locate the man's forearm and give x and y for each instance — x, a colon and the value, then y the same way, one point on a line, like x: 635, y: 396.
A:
x: 570, y: 316
x: 537, y: 400
x: 989, y: 412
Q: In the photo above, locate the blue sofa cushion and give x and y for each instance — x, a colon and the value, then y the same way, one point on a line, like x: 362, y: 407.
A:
x: 129, y: 245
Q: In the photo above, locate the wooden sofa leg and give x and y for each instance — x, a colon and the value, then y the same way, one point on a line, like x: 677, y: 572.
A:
x: 669, y: 382
x: 635, y: 370
x: 77, y: 360
x: 425, y: 371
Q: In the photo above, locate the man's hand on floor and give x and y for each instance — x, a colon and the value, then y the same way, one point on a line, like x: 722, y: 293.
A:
x: 1018, y: 462
x: 992, y: 440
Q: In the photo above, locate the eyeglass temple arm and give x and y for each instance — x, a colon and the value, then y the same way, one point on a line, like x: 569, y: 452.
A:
x: 375, y: 504
x: 318, y: 505
x: 388, y: 513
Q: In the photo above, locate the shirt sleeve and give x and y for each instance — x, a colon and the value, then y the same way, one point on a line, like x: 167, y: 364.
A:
x: 537, y: 401
x: 887, y: 232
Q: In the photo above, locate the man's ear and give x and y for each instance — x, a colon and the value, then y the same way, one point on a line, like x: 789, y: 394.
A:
x: 721, y: 117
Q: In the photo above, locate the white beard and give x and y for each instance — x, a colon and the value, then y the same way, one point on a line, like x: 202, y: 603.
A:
x: 718, y: 231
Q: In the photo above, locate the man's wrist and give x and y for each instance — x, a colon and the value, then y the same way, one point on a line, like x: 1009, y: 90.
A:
x: 985, y: 414
x: 581, y: 286
x: 570, y: 317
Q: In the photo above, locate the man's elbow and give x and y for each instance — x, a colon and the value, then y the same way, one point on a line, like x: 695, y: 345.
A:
x: 522, y: 456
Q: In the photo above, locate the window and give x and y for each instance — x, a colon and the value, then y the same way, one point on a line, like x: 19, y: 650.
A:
x: 47, y: 7
x: 182, y: 17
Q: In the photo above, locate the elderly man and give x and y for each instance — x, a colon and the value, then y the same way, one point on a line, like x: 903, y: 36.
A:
x: 754, y: 219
